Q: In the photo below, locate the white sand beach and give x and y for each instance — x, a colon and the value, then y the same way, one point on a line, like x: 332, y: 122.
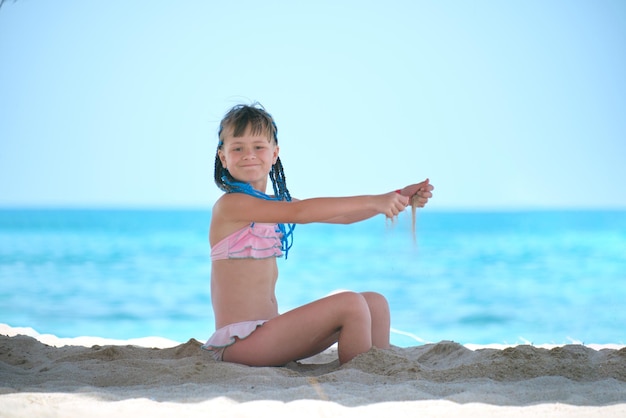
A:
x: 42, y: 375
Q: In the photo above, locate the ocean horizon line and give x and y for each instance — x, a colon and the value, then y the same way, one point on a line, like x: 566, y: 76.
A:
x: 192, y: 208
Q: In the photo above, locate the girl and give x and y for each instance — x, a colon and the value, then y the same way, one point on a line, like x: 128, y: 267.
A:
x: 249, y: 229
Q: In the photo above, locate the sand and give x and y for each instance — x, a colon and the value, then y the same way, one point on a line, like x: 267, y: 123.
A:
x: 42, y: 375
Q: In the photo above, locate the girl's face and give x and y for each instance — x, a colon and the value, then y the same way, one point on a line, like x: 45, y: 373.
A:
x: 249, y: 158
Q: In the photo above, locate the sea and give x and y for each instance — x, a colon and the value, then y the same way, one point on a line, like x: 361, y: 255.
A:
x: 516, y: 277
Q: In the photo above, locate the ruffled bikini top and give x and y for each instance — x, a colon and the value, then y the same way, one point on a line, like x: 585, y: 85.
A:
x: 252, y: 241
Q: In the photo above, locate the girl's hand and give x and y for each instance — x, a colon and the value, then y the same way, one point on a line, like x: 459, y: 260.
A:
x: 419, y: 193
x: 391, y: 204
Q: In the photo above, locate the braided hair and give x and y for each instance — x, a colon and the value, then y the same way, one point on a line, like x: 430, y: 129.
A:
x: 239, y: 119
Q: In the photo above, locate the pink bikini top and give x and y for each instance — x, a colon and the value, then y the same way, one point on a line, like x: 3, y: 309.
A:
x: 252, y: 241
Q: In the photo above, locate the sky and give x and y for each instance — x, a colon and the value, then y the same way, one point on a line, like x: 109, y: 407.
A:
x: 502, y: 104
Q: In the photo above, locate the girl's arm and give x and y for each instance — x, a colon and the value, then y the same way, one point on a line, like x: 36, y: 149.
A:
x: 352, y: 218
x: 418, y: 193
x: 344, y: 219
x: 239, y: 207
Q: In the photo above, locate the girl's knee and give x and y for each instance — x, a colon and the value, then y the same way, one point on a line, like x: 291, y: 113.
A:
x: 354, y: 302
x: 376, y: 301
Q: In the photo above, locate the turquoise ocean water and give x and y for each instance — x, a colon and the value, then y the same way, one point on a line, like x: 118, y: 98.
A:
x: 503, y: 277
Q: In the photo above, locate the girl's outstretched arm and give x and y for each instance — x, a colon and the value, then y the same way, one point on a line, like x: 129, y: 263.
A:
x: 239, y: 207
x: 418, y: 193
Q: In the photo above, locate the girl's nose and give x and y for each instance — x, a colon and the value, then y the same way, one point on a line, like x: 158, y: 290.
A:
x: 249, y: 153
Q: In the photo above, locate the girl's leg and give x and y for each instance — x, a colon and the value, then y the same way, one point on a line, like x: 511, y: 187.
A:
x: 344, y: 318
x: 379, y: 311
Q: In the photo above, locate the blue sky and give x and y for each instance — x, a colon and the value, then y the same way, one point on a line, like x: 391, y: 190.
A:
x: 502, y: 104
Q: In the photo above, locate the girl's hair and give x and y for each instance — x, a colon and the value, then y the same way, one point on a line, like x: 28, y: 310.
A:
x: 237, y: 120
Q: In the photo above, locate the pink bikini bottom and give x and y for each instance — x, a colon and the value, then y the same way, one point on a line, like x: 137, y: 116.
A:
x: 225, y: 336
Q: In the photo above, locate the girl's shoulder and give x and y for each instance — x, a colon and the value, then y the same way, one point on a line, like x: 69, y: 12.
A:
x: 230, y: 199
x: 235, y: 205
